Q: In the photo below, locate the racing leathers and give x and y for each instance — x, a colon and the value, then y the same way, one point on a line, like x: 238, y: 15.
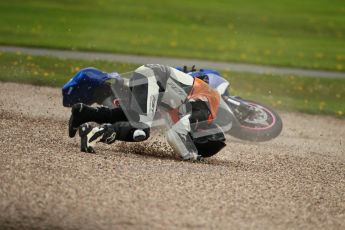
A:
x: 188, y: 105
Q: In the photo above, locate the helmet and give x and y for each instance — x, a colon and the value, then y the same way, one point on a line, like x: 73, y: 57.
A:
x: 87, y: 86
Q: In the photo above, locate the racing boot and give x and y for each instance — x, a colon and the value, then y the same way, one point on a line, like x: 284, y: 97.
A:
x: 84, y: 133
x: 89, y: 136
x: 82, y: 113
x: 108, y: 133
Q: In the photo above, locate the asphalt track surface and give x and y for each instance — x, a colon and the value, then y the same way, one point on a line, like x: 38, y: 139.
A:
x: 296, y: 181
x: 137, y: 59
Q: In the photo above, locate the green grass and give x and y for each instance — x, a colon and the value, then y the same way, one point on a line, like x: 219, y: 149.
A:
x: 310, y: 95
x: 293, y: 93
x: 49, y: 71
x: 308, y: 34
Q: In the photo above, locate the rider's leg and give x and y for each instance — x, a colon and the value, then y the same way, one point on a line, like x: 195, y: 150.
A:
x: 82, y: 113
x: 108, y: 133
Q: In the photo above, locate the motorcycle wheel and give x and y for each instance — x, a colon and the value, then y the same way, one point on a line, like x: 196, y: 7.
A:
x: 263, y: 125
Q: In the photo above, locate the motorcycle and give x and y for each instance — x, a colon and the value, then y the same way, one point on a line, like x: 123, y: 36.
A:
x: 250, y: 120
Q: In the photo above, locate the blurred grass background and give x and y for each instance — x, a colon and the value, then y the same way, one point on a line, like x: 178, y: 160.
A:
x: 292, y: 93
x: 307, y: 34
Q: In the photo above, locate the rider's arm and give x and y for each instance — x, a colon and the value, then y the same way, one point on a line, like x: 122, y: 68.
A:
x: 178, y: 136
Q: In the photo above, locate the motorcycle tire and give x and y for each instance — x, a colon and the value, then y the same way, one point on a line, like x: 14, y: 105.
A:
x: 265, y: 125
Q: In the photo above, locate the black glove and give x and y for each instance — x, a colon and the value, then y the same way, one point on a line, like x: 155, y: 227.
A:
x: 209, y: 141
x: 210, y: 148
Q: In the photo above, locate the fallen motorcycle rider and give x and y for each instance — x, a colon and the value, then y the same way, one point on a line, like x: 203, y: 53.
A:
x: 190, y: 109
